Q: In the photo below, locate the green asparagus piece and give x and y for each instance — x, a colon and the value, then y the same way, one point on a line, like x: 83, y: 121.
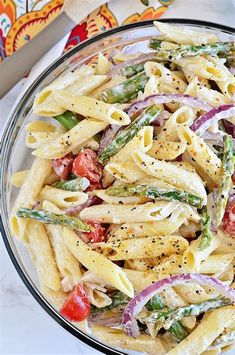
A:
x: 78, y: 184
x: 68, y: 119
x: 154, y: 303
x: 177, y: 330
x: 227, y: 171
x: 124, y: 136
x: 189, y: 50
x: 206, y: 235
x: 131, y: 70
x: 155, y: 193
x: 53, y: 218
x: 127, y: 90
x: 118, y: 299
x: 166, y: 317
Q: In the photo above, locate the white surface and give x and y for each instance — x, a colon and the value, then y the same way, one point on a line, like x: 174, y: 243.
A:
x: 25, y: 328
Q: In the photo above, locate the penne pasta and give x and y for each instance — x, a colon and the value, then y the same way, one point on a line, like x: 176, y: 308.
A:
x: 43, y: 254
x: 31, y: 187
x: 68, y: 141
x: 201, y: 153
x: 171, y: 174
x: 63, y: 198
x: 89, y: 107
x: 93, y: 261
x: 130, y: 213
x: 165, y: 150
x: 146, y: 247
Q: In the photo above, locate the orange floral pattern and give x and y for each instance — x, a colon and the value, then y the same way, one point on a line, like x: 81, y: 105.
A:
x: 21, y: 20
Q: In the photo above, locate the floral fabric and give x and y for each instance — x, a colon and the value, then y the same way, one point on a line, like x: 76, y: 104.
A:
x: 21, y: 20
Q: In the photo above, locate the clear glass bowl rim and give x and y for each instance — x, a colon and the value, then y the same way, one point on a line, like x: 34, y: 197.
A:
x: 7, y: 133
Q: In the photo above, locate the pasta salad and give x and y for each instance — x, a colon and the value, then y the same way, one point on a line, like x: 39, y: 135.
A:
x: 128, y: 210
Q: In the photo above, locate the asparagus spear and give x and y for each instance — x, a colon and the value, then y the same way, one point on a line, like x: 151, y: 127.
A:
x: 126, y: 91
x: 131, y: 70
x: 53, y: 218
x: 125, y: 135
x: 206, y: 235
x: 177, y: 330
x: 155, y: 193
x: 227, y: 171
x: 166, y: 317
x: 78, y: 184
x: 118, y: 299
x: 154, y: 303
x: 68, y: 119
x: 189, y: 50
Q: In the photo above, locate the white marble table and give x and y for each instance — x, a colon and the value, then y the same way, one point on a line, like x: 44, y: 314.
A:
x: 25, y: 328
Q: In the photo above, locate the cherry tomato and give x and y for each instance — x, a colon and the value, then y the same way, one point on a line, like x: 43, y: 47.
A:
x: 63, y: 166
x: 229, y: 219
x: 98, y: 234
x: 77, y: 307
x: 86, y: 164
x: 94, y: 186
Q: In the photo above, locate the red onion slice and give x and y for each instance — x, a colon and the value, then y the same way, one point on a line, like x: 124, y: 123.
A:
x: 230, y: 128
x: 167, y: 98
x: 108, y: 135
x: 202, y: 123
x: 137, y: 303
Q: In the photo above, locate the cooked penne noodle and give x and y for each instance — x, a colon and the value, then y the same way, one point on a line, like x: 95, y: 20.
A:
x: 19, y: 177
x: 206, y: 332
x: 143, y: 141
x: 184, y: 116
x: 194, y: 255
x: 89, y: 107
x: 55, y: 298
x: 171, y: 174
x: 168, y: 82
x: 146, y: 247
x: 201, y: 67
x: 31, y: 187
x: 184, y: 35
x: 118, y: 199
x: 63, y: 198
x: 126, y: 172
x: 67, y: 264
x: 135, y: 230
x: 93, y: 261
x: 201, y: 153
x: 81, y: 81
x: 68, y: 141
x: 103, y: 65
x: 130, y: 213
x: 45, y: 263
x: 165, y: 150
x: 118, y: 338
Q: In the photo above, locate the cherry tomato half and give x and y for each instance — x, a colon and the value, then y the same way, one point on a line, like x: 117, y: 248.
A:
x: 86, y: 164
x: 77, y: 307
x: 229, y: 219
x: 98, y: 234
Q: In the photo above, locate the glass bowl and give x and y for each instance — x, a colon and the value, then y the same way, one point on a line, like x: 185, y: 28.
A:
x: 15, y: 156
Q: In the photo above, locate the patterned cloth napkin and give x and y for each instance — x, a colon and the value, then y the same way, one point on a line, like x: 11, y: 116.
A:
x: 21, y: 20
